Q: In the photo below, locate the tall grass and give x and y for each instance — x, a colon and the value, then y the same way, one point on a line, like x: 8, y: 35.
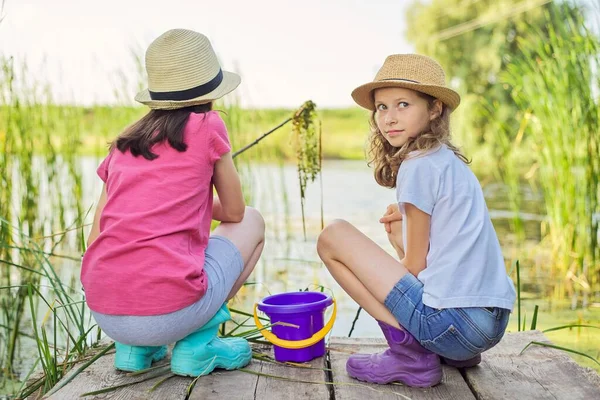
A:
x: 556, y: 86
x: 345, y: 130
x: 40, y: 193
x: 590, y: 354
x: 506, y: 152
x: 59, y: 322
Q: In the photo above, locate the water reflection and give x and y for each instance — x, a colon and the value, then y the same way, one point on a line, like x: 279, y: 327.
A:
x: 290, y: 262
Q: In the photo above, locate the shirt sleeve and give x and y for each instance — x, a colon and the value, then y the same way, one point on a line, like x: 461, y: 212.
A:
x: 417, y: 183
x: 219, y: 139
x: 102, y: 170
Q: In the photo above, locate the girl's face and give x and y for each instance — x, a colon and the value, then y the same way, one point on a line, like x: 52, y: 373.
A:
x: 402, y: 114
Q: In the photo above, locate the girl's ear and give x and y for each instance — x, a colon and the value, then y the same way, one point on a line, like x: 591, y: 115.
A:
x: 436, y: 110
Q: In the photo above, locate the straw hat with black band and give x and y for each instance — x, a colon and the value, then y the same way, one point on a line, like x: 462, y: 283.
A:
x: 183, y: 70
x: 410, y: 71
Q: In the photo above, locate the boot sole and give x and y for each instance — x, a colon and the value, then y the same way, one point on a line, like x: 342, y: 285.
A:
x: 462, y: 364
x: 406, y: 379
x: 193, y: 367
x: 459, y: 364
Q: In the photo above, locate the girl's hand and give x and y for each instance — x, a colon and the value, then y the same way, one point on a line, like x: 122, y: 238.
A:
x: 392, y: 221
x: 392, y: 214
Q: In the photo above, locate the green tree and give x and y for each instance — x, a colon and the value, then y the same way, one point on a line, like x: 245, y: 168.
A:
x: 475, y: 40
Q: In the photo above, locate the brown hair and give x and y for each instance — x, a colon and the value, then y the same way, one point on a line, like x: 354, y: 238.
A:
x: 156, y: 127
x: 386, y: 158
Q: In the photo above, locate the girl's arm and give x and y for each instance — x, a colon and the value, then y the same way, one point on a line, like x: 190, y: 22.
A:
x: 230, y: 205
x: 417, y: 239
x: 96, y: 225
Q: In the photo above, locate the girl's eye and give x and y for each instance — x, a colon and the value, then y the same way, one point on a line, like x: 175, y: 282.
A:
x: 403, y: 104
x: 381, y: 107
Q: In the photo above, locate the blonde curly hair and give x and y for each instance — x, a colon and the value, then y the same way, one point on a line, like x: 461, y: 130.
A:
x: 386, y: 159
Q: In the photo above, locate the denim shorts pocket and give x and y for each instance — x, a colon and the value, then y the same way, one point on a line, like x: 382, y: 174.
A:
x: 480, y: 320
x: 452, y: 344
x: 492, y: 311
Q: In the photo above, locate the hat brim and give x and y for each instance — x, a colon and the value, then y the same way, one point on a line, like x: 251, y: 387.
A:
x: 363, y: 95
x: 230, y: 82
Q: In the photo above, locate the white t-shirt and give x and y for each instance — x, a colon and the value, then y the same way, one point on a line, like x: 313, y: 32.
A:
x: 465, y: 267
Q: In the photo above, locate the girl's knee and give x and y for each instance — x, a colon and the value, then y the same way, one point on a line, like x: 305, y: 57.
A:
x: 335, y: 227
x: 327, y: 237
x: 254, y: 218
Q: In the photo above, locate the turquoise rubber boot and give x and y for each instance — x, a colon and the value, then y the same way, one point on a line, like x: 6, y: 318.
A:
x: 201, y: 352
x: 136, y: 358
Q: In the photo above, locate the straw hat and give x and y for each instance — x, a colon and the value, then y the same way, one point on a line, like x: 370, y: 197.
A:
x: 411, y: 71
x: 183, y: 71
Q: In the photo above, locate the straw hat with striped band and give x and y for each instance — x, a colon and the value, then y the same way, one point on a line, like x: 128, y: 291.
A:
x: 411, y: 71
x: 183, y: 71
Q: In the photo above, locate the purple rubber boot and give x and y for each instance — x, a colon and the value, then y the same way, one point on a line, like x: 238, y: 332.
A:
x: 471, y: 362
x: 405, y: 361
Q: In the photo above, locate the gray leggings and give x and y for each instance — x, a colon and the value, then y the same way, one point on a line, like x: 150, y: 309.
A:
x: 223, y: 265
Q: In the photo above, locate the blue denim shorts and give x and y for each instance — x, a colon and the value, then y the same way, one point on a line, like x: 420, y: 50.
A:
x: 223, y: 264
x: 453, y: 333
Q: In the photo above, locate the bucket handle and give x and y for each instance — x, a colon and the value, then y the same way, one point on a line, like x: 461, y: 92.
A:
x: 295, y: 344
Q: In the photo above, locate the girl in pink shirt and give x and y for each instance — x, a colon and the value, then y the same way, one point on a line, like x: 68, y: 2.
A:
x: 153, y: 273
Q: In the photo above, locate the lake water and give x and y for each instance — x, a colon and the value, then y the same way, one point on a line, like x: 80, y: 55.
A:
x: 290, y: 261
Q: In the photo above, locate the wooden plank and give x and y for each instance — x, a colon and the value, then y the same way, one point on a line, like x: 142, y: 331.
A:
x: 227, y: 384
x: 452, y: 386
x: 302, y: 389
x: 539, y: 373
x: 222, y: 385
x: 218, y: 385
x: 102, y: 374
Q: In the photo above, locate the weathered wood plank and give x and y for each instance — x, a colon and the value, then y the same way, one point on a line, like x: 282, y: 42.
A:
x: 229, y: 384
x: 453, y: 385
x: 218, y: 385
x: 273, y: 388
x: 539, y: 373
x: 101, y: 374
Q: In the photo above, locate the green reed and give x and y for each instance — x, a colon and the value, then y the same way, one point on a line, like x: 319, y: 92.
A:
x: 590, y: 354
x: 555, y: 85
x: 54, y: 316
x: 40, y: 193
x: 508, y: 169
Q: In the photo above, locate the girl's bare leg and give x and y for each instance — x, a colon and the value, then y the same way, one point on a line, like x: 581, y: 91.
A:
x: 249, y: 237
x: 363, y: 269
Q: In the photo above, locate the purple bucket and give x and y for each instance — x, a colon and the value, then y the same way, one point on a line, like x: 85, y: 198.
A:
x: 306, y: 310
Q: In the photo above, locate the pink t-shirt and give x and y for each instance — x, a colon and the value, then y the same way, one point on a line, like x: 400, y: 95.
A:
x: 149, y: 256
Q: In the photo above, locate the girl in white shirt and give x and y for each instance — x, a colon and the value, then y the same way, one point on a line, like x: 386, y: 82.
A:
x: 448, y: 297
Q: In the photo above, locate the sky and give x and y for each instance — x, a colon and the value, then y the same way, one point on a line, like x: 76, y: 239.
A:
x: 286, y: 51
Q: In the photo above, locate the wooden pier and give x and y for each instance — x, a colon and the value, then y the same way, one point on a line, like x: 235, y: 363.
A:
x: 538, y: 373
